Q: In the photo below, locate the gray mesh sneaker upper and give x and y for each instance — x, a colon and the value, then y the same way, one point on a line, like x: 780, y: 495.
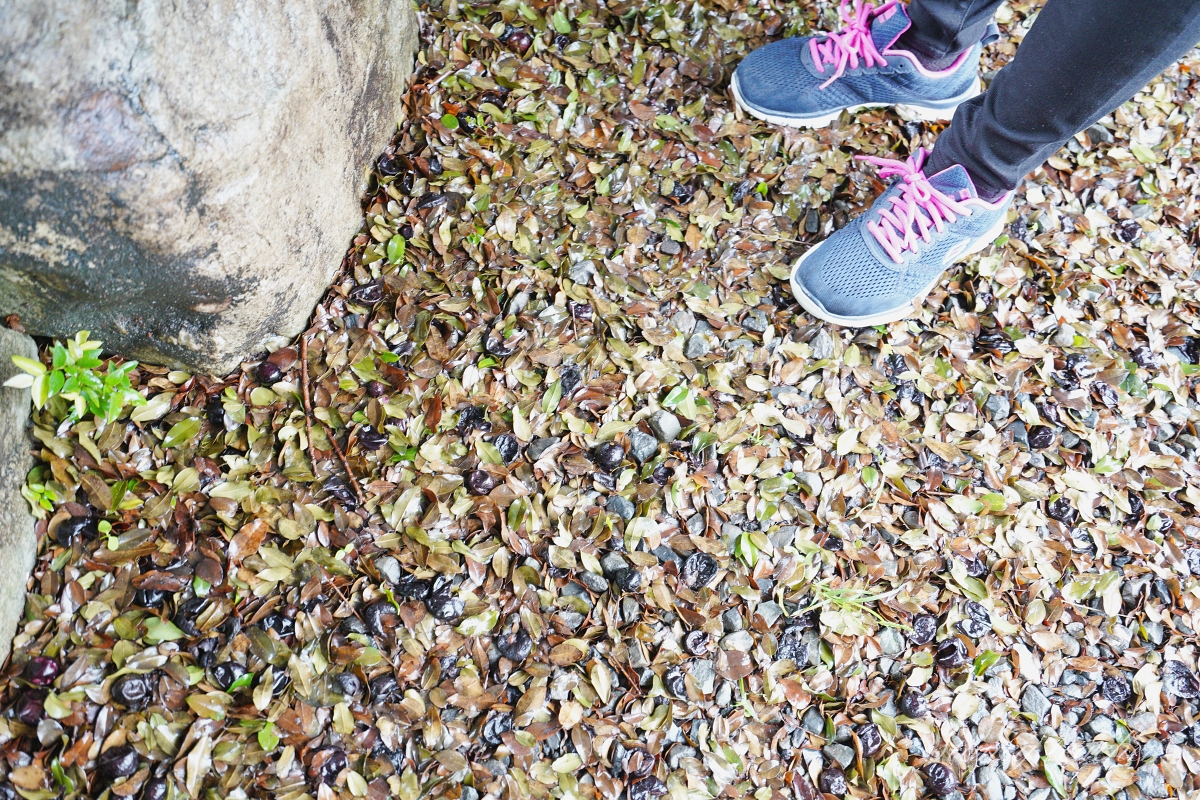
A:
x: 782, y: 79
x: 851, y: 274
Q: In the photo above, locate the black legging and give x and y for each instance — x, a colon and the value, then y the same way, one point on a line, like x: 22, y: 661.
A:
x: 1079, y: 61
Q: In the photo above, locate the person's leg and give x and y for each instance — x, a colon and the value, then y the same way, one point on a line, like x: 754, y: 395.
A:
x: 1079, y: 61
x: 941, y: 29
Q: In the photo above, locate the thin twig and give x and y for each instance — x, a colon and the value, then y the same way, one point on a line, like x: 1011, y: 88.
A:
x: 328, y: 431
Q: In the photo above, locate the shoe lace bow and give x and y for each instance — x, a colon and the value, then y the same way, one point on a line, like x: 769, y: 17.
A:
x: 853, y: 43
x: 915, y: 212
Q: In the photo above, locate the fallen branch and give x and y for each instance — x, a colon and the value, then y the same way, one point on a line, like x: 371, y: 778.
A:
x: 328, y: 431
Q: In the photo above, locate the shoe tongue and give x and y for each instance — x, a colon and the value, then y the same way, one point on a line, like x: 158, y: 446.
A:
x: 954, y: 182
x: 888, y: 26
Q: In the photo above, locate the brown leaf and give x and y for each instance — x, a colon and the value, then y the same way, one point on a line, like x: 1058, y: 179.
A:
x: 247, y: 540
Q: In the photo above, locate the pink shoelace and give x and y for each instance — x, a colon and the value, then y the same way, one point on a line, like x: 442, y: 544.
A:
x: 852, y: 43
x: 916, y: 211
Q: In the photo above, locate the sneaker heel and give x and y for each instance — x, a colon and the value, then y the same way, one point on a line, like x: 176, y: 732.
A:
x: 939, y: 114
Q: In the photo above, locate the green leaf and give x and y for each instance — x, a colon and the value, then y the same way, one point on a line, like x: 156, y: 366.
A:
x: 550, y: 401
x: 479, y: 624
x: 181, y: 432
x: 268, y: 740
x: 995, y: 502
x: 395, y: 247
x: 450, y: 121
x: 29, y: 366
x: 161, y: 630
x: 983, y: 661
x: 1146, y: 156
x: 964, y: 505
x: 559, y: 20
x: 241, y: 683
x: 1054, y: 774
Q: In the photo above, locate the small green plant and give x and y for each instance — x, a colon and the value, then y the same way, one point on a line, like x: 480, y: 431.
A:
x: 850, y: 601
x: 77, y: 382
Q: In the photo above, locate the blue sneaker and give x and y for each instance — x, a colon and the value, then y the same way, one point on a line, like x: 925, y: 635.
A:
x: 879, y: 268
x: 808, y: 81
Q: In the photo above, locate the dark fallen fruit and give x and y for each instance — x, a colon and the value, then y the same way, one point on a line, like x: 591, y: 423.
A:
x: 133, y: 691
x: 74, y: 529
x: 445, y: 605
x: 41, y: 670
x: 155, y: 789
x: 279, y: 623
x: 1116, y: 689
x: 338, y: 489
x: 1040, y: 437
x: 205, y: 651
x: 187, y: 614
x: 368, y: 294
x: 116, y: 762
x: 381, y: 618
x: 479, y: 482
x: 697, y: 643
x: 227, y: 673
x: 466, y: 122
x: 833, y: 544
x: 647, y: 788
x: 569, y: 379
x: 384, y: 689
x: 269, y: 373
x: 376, y: 388
x: 519, y: 41
x: 149, y: 598
x: 326, y: 764
x: 1179, y: 680
x: 627, y: 580
x: 495, y: 726
x: 508, y: 447
x: 833, y: 780
x: 869, y: 738
x: 515, y: 645
x: 280, y: 680
x: 674, y: 681
x: 30, y: 707
x: 608, y: 456
x: 1060, y: 509
x: 951, y: 653
x: 924, y: 629
x: 939, y: 778
x: 698, y: 570
x: 975, y: 567
x: 412, y: 587
x: 371, y: 439
x: 389, y: 165
x: 347, y: 684
x: 661, y: 475
x: 913, y: 704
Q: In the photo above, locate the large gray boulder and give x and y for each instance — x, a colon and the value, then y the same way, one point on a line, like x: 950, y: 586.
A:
x: 183, y: 178
x: 18, y: 542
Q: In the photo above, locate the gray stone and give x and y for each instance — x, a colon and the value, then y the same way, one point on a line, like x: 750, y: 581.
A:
x: 998, y: 407
x: 631, y: 610
x: 583, y: 273
x: 755, y: 321
x: 1035, y: 703
x: 843, y: 734
x: 822, y: 345
x: 642, y: 446
x: 741, y: 641
x: 989, y: 781
x: 621, y: 507
x: 683, y: 321
x: 704, y: 675
x: 812, y: 721
x: 18, y: 542
x: 724, y: 695
x: 612, y: 562
x: 183, y: 179
x: 571, y: 620
x: 591, y: 580
x: 665, y: 425
x: 539, y: 446
x: 1040, y: 794
x: 697, y: 346
x: 1152, y: 750
x: 891, y: 641
x: 665, y: 554
x: 731, y: 620
x: 770, y: 612
x: 1019, y: 433
x: 840, y: 753
x: 1150, y: 781
x: 389, y: 569
x: 696, y: 524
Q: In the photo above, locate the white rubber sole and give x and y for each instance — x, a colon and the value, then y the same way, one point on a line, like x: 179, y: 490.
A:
x: 893, y: 315
x: 909, y: 111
